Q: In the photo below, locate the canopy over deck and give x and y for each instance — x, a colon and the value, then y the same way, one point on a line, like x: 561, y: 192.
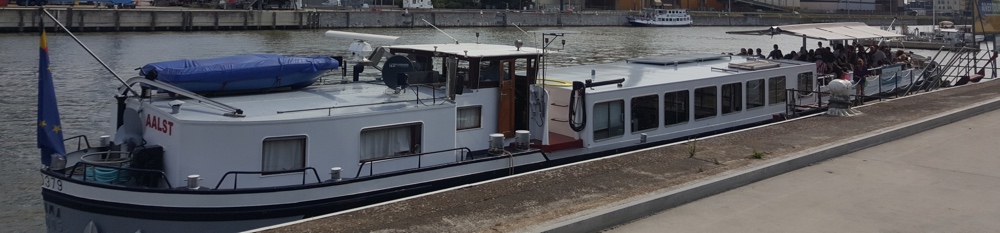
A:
x: 825, y: 31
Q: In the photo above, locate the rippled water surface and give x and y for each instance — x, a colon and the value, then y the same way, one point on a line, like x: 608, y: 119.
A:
x: 85, y: 89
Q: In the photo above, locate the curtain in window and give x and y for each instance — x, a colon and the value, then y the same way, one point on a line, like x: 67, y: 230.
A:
x: 755, y: 91
x: 284, y: 154
x: 601, y: 116
x: 468, y: 118
x: 615, y: 114
x: 384, y: 143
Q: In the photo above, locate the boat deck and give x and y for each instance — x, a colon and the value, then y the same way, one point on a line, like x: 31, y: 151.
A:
x: 651, y: 71
x: 327, y: 100
x: 531, y: 202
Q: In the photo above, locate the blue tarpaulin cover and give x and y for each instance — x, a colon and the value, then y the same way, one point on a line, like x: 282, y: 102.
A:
x: 237, y: 68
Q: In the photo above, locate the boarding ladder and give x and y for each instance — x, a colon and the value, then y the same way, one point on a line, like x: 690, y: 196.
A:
x: 962, y: 67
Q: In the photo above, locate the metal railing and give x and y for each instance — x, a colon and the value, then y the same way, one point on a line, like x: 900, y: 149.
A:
x: 79, y: 138
x: 371, y: 163
x: 158, y: 173
x: 230, y: 110
x: 237, y: 173
x: 794, y: 103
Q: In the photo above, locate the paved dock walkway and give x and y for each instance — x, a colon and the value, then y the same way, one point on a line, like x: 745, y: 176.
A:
x: 942, y: 180
x: 611, y: 191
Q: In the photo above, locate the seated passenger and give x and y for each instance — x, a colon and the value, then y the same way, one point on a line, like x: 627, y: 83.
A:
x: 775, y: 54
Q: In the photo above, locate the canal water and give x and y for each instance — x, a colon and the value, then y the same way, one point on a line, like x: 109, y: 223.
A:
x: 85, y: 89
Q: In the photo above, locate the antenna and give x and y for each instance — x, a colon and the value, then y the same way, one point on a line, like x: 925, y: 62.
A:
x: 442, y: 32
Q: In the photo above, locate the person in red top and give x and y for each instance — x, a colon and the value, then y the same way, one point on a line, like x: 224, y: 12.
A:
x: 860, y: 71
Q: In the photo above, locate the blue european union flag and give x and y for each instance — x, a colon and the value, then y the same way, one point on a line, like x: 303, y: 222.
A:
x: 50, y: 137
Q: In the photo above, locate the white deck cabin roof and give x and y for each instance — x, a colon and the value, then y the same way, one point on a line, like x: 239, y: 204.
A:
x: 639, y: 73
x: 825, y: 31
x: 473, y: 49
x: 365, y: 98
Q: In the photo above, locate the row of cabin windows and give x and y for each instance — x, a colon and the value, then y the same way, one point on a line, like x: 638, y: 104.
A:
x: 609, y: 116
x: 672, y: 19
x: 289, y: 153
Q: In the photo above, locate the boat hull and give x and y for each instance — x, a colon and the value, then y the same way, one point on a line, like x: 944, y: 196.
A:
x: 646, y: 24
x: 244, y: 209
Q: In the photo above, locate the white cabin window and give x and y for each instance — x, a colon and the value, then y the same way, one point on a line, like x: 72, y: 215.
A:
x: 805, y: 83
x: 755, y: 93
x: 608, y: 119
x: 469, y: 117
x: 732, y: 97
x: 391, y: 141
x: 284, y: 153
x: 704, y: 102
x: 645, y: 112
x: 776, y: 90
x: 675, y: 107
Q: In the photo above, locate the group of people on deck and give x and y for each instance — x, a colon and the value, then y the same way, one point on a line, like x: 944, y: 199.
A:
x: 840, y: 60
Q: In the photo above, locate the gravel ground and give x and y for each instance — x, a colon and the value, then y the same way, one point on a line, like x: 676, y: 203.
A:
x: 524, y: 202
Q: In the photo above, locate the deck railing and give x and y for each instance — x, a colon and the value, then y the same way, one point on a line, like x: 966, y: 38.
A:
x: 237, y: 173
x: 371, y: 163
x: 117, y: 172
x: 80, y: 140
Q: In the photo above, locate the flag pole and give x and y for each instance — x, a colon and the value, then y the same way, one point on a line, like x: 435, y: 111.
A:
x: 88, y: 50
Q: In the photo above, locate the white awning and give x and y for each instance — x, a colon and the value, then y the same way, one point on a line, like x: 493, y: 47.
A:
x: 826, y: 31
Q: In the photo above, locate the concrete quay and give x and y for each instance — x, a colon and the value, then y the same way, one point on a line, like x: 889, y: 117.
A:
x: 83, y: 19
x: 941, y: 180
x: 603, y: 193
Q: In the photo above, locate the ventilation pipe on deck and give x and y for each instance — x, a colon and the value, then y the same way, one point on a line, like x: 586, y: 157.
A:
x: 192, y: 181
x: 175, y: 106
x: 522, y: 139
x: 335, y: 173
x: 496, y: 144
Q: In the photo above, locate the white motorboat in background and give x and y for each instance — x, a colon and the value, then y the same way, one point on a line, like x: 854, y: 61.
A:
x: 661, y: 18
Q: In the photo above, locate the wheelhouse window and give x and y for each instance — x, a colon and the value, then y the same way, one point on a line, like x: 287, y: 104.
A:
x: 805, y: 83
x: 776, y: 90
x: 732, y: 97
x: 675, y: 107
x: 608, y: 119
x: 391, y: 141
x: 469, y: 117
x: 704, y: 102
x: 755, y: 93
x: 283, y: 153
x: 645, y: 112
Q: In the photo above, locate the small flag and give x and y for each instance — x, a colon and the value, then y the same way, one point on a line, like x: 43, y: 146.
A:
x: 50, y: 137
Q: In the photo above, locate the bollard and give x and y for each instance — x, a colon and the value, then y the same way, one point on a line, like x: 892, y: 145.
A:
x: 335, y: 173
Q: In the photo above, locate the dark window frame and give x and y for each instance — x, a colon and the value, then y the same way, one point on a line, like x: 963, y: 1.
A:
x: 645, y: 121
x: 701, y: 101
x: 682, y: 100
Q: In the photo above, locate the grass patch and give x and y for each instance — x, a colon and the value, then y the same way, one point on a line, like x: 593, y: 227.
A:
x: 758, y: 154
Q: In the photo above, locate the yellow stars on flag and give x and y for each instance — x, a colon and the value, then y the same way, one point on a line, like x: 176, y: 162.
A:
x: 54, y: 128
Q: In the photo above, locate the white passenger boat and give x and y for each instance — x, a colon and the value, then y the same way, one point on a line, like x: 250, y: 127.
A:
x: 661, y: 18
x: 442, y: 115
